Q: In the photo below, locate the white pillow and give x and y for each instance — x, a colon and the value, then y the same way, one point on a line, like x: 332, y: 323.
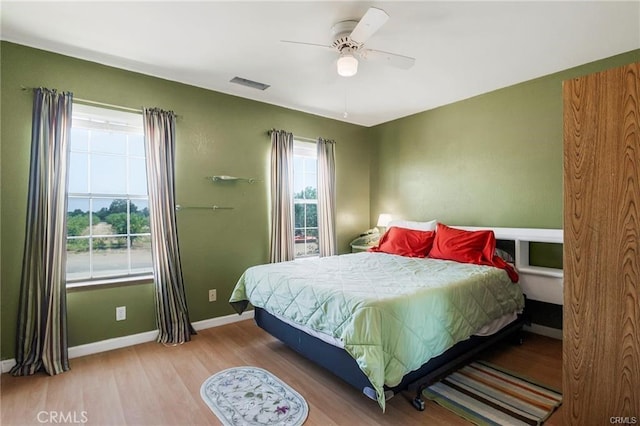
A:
x: 417, y: 226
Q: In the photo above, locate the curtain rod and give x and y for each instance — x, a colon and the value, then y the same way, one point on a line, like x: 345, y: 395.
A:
x: 102, y: 104
x: 300, y: 138
x: 303, y: 139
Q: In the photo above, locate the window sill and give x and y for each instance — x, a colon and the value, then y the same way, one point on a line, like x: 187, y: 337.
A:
x: 110, y: 282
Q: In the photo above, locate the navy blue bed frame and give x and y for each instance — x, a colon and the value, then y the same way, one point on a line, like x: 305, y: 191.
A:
x: 340, y: 363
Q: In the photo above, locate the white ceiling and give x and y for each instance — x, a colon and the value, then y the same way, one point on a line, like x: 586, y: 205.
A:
x: 462, y: 49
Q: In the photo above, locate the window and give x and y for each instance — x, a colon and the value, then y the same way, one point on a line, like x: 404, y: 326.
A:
x: 108, y: 233
x: 305, y: 198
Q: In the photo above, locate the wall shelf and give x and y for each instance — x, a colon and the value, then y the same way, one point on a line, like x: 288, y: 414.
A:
x: 179, y: 207
x: 225, y: 178
x: 538, y: 282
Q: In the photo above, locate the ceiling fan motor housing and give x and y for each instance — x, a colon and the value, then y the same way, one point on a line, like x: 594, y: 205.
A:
x: 341, y: 32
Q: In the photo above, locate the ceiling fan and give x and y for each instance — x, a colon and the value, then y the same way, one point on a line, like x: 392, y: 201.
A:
x: 350, y: 37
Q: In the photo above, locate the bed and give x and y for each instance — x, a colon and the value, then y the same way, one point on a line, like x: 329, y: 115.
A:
x: 384, y: 321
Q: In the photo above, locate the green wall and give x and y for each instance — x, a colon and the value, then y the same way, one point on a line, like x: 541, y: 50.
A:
x: 216, y: 134
x: 492, y: 160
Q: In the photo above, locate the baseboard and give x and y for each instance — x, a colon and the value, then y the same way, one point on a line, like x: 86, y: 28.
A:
x: 111, y: 344
x: 136, y: 339
x: 7, y: 364
x: 218, y: 321
x: 544, y: 331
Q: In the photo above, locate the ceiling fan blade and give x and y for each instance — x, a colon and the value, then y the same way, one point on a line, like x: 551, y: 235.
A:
x: 393, y: 59
x: 308, y: 44
x: 369, y: 24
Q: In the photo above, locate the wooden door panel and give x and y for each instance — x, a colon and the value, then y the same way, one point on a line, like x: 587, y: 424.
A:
x: 601, y: 375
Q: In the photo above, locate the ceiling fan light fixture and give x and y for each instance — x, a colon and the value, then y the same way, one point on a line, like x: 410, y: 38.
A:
x: 347, y: 65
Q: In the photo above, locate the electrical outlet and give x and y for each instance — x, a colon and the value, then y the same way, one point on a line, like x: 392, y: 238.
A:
x: 213, y: 295
x: 121, y: 313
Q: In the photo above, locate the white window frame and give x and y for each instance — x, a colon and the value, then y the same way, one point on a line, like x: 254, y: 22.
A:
x: 305, y: 150
x: 101, y: 119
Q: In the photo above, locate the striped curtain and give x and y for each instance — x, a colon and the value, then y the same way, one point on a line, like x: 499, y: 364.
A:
x: 172, y: 315
x: 282, y: 245
x: 326, y: 197
x: 41, y: 341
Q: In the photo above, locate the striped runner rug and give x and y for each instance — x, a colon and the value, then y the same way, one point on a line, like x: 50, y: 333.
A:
x: 485, y: 394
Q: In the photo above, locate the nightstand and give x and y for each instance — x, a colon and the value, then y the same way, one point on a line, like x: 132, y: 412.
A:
x: 365, y: 241
x: 357, y: 249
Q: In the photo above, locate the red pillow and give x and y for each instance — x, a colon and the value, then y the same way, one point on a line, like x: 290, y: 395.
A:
x: 476, y: 247
x: 463, y: 246
x: 405, y: 242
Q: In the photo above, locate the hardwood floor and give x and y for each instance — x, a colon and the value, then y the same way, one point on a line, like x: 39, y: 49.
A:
x: 151, y: 384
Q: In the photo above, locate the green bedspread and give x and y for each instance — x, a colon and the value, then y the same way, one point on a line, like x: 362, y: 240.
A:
x: 392, y: 313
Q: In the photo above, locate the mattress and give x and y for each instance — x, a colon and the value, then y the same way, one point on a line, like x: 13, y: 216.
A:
x: 390, y: 313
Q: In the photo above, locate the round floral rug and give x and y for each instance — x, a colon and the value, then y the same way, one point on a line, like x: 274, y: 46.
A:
x: 253, y: 396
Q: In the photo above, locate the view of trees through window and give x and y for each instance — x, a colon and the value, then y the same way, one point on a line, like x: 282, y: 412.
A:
x: 305, y: 199
x: 108, y: 240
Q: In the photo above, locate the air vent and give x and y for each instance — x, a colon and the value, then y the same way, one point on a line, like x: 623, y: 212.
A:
x: 249, y: 83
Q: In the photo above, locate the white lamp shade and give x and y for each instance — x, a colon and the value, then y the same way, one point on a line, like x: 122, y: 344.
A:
x: 384, y: 219
x: 347, y: 65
